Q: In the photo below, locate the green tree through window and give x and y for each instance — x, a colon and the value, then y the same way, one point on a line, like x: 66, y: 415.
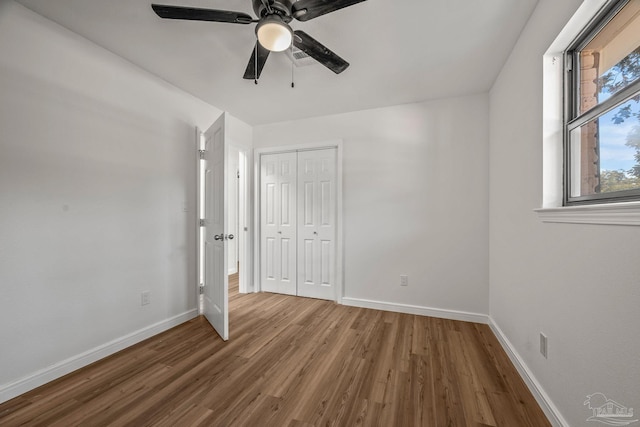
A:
x: 617, y: 78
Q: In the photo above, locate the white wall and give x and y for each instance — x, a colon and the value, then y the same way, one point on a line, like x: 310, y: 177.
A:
x: 579, y: 284
x: 97, y: 196
x: 415, y: 196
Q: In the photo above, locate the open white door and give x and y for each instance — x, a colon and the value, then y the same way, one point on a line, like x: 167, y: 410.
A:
x: 216, y: 280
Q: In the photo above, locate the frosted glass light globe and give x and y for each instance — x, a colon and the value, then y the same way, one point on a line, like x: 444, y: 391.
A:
x: 274, y: 35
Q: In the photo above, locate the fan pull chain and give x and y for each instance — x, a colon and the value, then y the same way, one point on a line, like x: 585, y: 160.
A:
x: 255, y: 63
x: 292, y: 67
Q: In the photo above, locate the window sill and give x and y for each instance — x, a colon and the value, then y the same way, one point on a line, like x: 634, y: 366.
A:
x: 609, y: 214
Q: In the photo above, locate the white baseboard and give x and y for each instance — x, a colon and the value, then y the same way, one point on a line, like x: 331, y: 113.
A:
x: 550, y: 410
x: 416, y: 309
x: 43, y: 376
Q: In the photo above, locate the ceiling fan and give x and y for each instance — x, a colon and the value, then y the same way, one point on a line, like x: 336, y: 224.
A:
x: 273, y: 31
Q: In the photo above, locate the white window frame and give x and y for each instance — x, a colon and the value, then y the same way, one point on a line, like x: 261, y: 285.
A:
x: 575, y: 119
x: 553, y: 207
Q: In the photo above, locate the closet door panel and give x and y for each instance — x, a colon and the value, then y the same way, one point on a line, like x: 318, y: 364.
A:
x: 278, y: 223
x: 316, y: 223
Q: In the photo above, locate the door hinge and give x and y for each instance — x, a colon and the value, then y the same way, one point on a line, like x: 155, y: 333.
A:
x: 201, y: 289
x: 202, y: 224
x: 238, y: 174
x: 201, y: 153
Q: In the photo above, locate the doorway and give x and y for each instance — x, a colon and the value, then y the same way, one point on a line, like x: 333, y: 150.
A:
x: 237, y: 213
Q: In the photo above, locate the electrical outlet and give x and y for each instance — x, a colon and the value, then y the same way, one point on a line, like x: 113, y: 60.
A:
x: 543, y: 345
x: 145, y: 298
x: 404, y: 280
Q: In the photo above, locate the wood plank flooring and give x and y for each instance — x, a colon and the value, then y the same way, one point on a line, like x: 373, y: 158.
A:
x: 294, y: 362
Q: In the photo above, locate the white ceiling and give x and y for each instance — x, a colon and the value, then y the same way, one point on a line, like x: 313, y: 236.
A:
x: 399, y: 51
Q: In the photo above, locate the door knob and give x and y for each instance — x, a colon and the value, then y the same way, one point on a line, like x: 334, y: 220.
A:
x: 218, y: 237
x: 230, y: 236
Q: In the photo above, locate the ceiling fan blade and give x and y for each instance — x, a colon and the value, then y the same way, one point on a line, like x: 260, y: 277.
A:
x: 263, y: 54
x: 304, y: 10
x: 195, y: 14
x: 319, y: 52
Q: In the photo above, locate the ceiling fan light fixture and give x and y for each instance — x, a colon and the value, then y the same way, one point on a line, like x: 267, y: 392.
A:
x: 274, y: 34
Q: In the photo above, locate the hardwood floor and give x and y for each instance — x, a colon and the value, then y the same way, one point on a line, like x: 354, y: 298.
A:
x: 294, y: 362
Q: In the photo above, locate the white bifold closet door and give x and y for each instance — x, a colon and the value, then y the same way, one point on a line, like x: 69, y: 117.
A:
x: 298, y: 223
x: 278, y: 223
x: 316, y: 223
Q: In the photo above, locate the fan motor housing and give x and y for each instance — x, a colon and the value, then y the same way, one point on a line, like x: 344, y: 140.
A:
x: 280, y: 7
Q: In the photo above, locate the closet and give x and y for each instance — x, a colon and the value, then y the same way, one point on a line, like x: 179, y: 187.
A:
x: 298, y: 223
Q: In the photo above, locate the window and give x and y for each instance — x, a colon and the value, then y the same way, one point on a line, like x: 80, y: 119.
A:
x: 602, y: 109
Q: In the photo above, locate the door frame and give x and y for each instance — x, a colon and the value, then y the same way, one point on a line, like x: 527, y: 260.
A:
x: 199, y: 214
x: 257, y: 158
x: 245, y: 240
